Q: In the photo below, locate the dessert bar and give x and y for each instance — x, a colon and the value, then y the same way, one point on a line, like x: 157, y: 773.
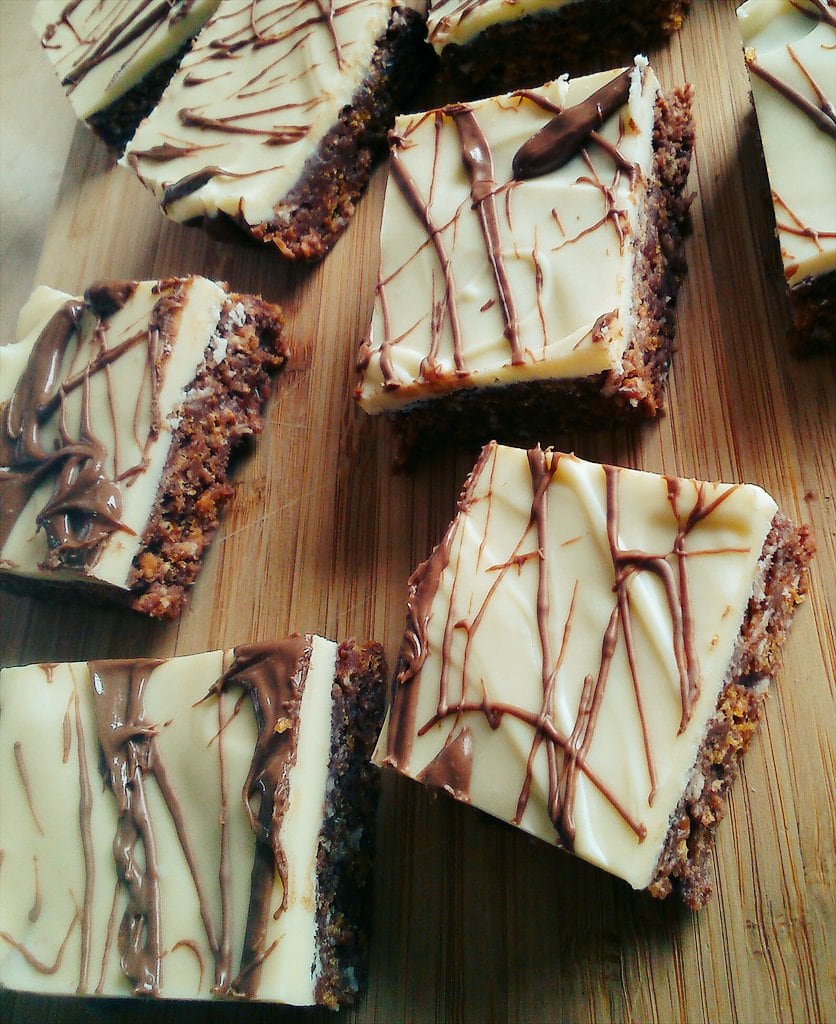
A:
x: 530, y: 259
x: 276, y: 114
x: 586, y: 656
x: 190, y: 827
x: 118, y: 415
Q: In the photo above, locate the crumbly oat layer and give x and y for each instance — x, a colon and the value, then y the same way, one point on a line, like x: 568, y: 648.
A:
x: 537, y: 411
x: 223, y: 406
x: 346, y: 842
x: 312, y: 216
x: 683, y: 865
x: 579, y: 39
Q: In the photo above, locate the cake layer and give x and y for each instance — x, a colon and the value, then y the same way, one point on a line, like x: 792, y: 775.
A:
x: 209, y: 863
x: 532, y: 237
x: 568, y: 643
x: 489, y: 46
x: 103, y: 51
x: 790, y: 51
x: 108, y: 403
x: 272, y: 98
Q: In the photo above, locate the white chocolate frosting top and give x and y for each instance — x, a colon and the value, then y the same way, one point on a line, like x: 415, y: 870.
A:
x: 250, y: 103
x: 102, y: 50
x: 790, y: 48
x: 490, y: 273
x: 566, y: 645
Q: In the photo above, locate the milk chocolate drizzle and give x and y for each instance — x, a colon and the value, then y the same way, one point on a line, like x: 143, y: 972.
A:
x: 548, y: 149
x: 478, y: 160
x: 85, y: 807
x: 272, y: 676
x: 37, y: 905
x: 448, y: 769
x: 452, y: 766
x: 126, y: 742
x: 20, y: 764
x: 85, y: 506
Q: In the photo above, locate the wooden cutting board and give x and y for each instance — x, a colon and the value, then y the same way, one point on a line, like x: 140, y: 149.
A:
x: 475, y: 922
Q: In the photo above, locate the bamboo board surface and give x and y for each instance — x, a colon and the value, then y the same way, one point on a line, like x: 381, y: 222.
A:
x: 475, y: 922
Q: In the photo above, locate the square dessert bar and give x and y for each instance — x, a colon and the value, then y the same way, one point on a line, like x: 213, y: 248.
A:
x: 114, y: 59
x: 119, y: 412
x: 275, y: 115
x: 490, y: 46
x: 586, y: 655
x: 790, y: 48
x: 192, y: 827
x: 530, y: 258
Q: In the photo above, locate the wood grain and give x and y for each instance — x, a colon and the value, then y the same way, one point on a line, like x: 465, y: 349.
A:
x: 475, y: 922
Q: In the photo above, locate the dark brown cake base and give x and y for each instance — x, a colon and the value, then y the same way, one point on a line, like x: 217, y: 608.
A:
x: 117, y: 123
x: 195, y: 486
x: 683, y: 866
x: 346, y: 842
x: 580, y: 38
x: 813, y: 304
x: 538, y: 411
x: 313, y: 215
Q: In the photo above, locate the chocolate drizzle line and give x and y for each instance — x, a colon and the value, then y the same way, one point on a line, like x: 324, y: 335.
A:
x: 85, y: 808
x: 820, y: 12
x: 478, y: 161
x: 223, y: 961
x: 109, y: 935
x: 452, y: 767
x: 421, y: 210
x: 125, y: 739
x: 131, y: 752
x: 37, y: 903
x: 32, y: 960
x: 273, y: 677
x: 562, y: 774
x: 27, y: 787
